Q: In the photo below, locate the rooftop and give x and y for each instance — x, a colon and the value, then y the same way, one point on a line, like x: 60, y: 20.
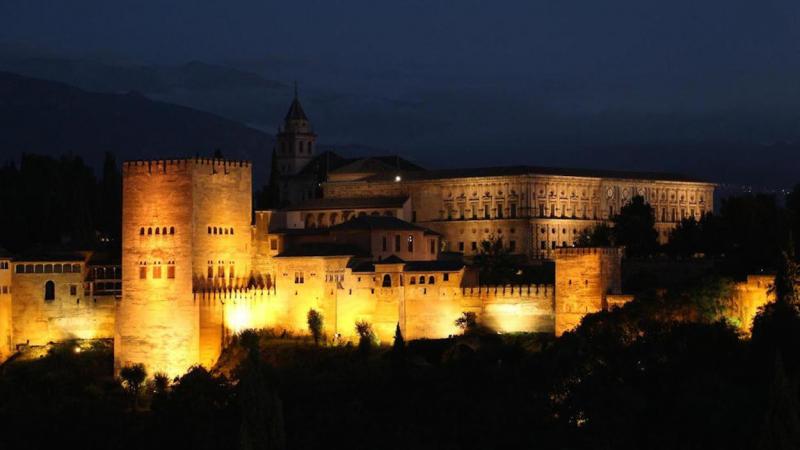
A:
x: 350, y: 203
x: 322, y: 249
x: 533, y: 170
x: 379, y: 223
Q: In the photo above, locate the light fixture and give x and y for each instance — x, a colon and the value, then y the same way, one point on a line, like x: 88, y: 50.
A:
x: 397, y: 178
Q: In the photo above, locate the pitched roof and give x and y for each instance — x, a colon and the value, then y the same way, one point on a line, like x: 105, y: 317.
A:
x: 533, y: 170
x: 322, y: 249
x: 379, y: 223
x: 393, y: 259
x: 378, y: 164
x: 433, y: 266
x: 295, y: 111
x: 350, y: 203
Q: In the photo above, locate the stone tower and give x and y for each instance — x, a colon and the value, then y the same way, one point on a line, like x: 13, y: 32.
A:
x: 295, y: 141
x: 185, y: 228
x: 585, y: 277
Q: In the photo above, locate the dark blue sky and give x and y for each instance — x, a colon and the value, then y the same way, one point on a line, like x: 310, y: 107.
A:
x: 515, y: 80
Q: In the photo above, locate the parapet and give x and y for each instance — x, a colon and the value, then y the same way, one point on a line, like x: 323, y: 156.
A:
x: 581, y: 251
x: 508, y: 290
x: 165, y: 165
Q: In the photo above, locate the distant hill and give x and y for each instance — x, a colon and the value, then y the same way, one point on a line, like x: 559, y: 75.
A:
x: 46, y: 117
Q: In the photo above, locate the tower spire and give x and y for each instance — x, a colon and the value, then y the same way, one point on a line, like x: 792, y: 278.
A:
x: 295, y: 89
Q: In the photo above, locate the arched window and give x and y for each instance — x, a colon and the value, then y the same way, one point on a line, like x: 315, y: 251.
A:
x: 231, y: 230
x: 158, y: 231
x: 209, y: 230
x: 431, y: 280
x: 422, y: 279
x: 141, y: 231
x: 413, y: 280
x: 164, y: 230
x: 215, y: 230
x: 149, y: 231
x: 171, y: 230
x: 387, y: 280
x: 49, y: 291
x: 226, y: 231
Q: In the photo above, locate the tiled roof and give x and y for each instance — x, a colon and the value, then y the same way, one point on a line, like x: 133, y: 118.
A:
x: 350, y: 203
x: 394, y: 259
x: 295, y: 111
x: 322, y: 249
x: 433, y: 266
x: 381, y: 164
x: 533, y: 170
x: 379, y: 223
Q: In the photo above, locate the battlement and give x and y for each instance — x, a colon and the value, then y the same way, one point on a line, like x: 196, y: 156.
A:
x: 520, y: 290
x: 581, y: 251
x: 165, y: 165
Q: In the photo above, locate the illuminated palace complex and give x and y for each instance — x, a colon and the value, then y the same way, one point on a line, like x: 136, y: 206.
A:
x: 377, y: 239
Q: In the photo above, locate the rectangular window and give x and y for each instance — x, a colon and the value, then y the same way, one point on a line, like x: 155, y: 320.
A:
x: 142, y: 272
x: 210, y: 272
x: 157, y: 272
x: 513, y: 212
x: 384, y: 244
x: 5, y: 289
x: 299, y: 278
x: 20, y: 268
x: 461, y: 212
x: 474, y: 209
x: 474, y: 246
x: 413, y: 216
x: 397, y: 243
x: 446, y: 277
x: 433, y: 246
x: 221, y: 271
x: 543, y: 245
x: 512, y: 245
x: 485, y: 211
x: 171, y: 271
x: 461, y: 246
x: 273, y: 244
x: 553, y: 244
x: 499, y: 210
x: 552, y: 210
x: 410, y: 244
x: 73, y: 290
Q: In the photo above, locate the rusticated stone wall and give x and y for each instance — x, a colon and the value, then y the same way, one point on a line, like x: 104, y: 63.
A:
x: 6, y: 347
x: 69, y: 315
x: 157, y: 321
x: 584, y: 277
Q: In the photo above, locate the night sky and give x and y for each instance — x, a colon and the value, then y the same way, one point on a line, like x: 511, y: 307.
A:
x: 710, y: 88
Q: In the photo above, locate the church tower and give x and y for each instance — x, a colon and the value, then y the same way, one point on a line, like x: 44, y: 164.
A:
x: 295, y: 142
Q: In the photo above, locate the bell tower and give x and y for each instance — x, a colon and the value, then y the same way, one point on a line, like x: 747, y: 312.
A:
x: 295, y: 142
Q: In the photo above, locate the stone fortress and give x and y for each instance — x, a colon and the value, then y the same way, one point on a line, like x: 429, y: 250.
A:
x: 377, y: 239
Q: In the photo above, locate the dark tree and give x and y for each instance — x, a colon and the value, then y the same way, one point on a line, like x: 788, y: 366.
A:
x: 467, y: 322
x: 109, y: 221
x: 399, y: 343
x: 366, y: 337
x: 133, y: 377
x: 634, y: 228
x: 781, y: 424
x: 495, y: 263
x: 314, y: 320
x: 598, y: 236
